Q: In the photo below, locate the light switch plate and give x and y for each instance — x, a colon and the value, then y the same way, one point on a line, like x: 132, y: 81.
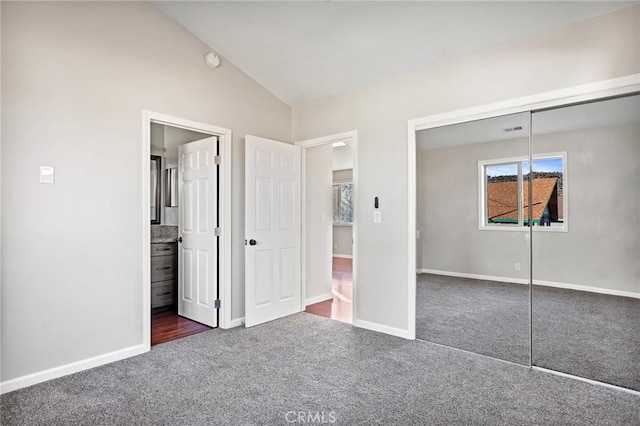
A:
x: 377, y: 217
x: 47, y: 174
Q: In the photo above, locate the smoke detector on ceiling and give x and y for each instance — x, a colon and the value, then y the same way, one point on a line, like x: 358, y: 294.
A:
x: 212, y: 60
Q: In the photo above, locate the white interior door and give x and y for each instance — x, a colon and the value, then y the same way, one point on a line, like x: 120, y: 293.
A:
x: 198, y: 218
x: 272, y: 230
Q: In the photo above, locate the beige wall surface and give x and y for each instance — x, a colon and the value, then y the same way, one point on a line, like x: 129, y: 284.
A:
x: 599, y: 49
x: 602, y: 246
x: 76, y: 77
x: 318, y: 221
x: 342, y: 240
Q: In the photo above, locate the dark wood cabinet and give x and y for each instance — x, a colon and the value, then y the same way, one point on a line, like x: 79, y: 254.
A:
x: 164, y: 274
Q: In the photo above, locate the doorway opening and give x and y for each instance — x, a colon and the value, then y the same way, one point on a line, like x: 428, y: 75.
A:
x: 340, y: 305
x: 186, y: 232
x: 288, y: 223
x: 330, y: 182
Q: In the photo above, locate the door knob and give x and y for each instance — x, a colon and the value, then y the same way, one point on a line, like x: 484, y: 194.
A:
x: 252, y: 242
x: 179, y: 239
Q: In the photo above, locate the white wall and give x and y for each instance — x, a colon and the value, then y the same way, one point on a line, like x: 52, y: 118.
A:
x: 602, y: 246
x: 1, y: 199
x: 166, y: 139
x: 174, y: 137
x: 75, y: 79
x: 343, y: 240
x: 156, y: 135
x: 342, y: 176
x: 318, y: 222
x: 342, y: 158
x: 599, y: 49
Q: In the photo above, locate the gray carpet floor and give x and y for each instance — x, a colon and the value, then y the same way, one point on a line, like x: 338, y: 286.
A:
x: 486, y: 317
x: 581, y: 333
x: 591, y: 335
x: 305, y: 363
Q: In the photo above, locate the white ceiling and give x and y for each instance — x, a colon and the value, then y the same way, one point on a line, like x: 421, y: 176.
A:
x: 611, y: 112
x: 305, y: 50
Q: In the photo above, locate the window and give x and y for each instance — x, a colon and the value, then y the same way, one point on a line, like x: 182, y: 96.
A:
x: 343, y: 203
x: 505, y: 192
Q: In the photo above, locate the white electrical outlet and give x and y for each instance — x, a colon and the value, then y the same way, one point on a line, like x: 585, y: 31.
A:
x: 47, y: 174
x: 377, y: 216
x: 517, y: 266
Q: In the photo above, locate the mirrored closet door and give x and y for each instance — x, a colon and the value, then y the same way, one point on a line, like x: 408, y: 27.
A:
x: 586, y: 246
x: 473, y: 239
x: 498, y: 210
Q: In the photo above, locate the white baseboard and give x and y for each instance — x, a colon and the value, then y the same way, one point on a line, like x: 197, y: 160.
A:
x: 598, y: 290
x: 474, y: 276
x: 74, y: 367
x: 238, y: 322
x: 317, y: 299
x: 398, y: 332
x: 583, y: 379
x: 343, y: 256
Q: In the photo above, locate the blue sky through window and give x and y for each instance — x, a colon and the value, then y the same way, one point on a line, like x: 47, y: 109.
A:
x: 502, y: 170
x: 545, y: 165
x: 554, y: 164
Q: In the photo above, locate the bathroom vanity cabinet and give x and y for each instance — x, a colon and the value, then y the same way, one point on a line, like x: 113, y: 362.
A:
x: 164, y: 274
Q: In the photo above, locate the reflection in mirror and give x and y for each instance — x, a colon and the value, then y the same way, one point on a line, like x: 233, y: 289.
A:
x: 586, y: 262
x: 473, y: 246
x: 154, y: 180
x: 171, y: 187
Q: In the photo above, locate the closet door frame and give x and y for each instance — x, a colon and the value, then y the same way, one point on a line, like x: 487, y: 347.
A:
x: 553, y: 99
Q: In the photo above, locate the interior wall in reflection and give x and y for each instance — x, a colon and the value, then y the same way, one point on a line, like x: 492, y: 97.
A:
x: 586, y: 301
x: 602, y: 190
x: 472, y: 292
x: 450, y: 238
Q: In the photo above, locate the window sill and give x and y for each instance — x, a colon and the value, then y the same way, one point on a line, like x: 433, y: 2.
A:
x: 524, y: 229
x: 342, y: 224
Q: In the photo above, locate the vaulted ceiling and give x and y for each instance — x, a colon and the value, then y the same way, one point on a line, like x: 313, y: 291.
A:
x: 305, y: 50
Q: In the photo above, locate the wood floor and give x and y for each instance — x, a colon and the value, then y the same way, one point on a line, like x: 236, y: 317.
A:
x: 168, y: 325
x: 340, y: 306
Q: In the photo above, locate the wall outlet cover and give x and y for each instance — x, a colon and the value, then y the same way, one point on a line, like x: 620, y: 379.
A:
x: 47, y: 174
x: 377, y: 217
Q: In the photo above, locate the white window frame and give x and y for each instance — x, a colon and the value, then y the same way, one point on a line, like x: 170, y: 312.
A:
x: 482, y: 194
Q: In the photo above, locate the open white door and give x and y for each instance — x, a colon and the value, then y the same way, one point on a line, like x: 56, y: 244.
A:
x: 272, y: 230
x: 198, y: 218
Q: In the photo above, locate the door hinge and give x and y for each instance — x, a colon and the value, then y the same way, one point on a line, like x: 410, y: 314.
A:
x: 217, y: 304
x: 217, y: 231
x: 217, y: 159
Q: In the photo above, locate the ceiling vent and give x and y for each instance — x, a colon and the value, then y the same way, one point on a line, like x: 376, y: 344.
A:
x: 512, y: 129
